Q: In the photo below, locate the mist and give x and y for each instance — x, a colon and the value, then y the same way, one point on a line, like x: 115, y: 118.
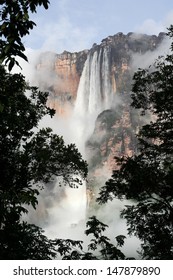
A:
x: 145, y: 60
x: 63, y: 212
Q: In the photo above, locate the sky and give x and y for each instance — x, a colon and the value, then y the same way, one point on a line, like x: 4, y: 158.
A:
x: 75, y: 25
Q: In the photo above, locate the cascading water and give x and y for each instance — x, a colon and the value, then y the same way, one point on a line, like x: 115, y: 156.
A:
x: 95, y: 92
x: 67, y: 215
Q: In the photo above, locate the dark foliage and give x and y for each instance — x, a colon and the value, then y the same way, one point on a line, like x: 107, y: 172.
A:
x: 23, y: 241
x: 28, y: 161
x: 99, y: 247
x: 15, y: 23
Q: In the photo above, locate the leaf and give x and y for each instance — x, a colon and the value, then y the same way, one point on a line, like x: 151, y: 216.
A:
x: 120, y: 240
x: 1, y: 107
x: 11, y: 64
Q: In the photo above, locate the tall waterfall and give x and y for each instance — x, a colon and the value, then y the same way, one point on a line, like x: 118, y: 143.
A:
x: 65, y: 212
x: 95, y: 94
x: 97, y: 86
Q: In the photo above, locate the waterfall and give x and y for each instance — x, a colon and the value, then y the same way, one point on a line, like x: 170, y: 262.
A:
x: 94, y: 95
x: 65, y: 212
x: 106, y: 80
x: 95, y: 92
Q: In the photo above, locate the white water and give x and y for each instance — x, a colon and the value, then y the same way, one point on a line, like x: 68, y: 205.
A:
x: 95, y: 92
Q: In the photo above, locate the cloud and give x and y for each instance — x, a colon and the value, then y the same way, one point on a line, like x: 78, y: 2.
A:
x: 168, y: 19
x: 61, y: 28
x: 145, y: 60
x: 64, y: 35
x: 150, y: 26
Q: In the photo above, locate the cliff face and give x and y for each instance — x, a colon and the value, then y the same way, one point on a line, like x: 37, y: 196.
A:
x: 113, y: 136
x: 64, y: 71
x: 116, y: 125
x: 97, y: 82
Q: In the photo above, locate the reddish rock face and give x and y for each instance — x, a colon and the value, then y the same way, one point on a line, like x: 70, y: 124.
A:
x: 68, y: 80
x: 66, y: 71
x: 108, y: 71
x: 113, y: 136
x: 63, y: 72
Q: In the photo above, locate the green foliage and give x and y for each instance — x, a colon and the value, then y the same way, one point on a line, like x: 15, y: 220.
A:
x: 28, y: 160
x: 147, y: 177
x: 99, y: 244
x: 14, y: 25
